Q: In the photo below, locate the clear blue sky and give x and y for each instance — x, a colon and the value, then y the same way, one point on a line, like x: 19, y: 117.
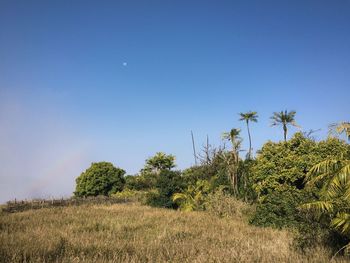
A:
x: 67, y: 98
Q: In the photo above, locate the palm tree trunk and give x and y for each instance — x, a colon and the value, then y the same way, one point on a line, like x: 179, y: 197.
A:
x: 285, y: 132
x: 233, y: 171
x: 250, y: 141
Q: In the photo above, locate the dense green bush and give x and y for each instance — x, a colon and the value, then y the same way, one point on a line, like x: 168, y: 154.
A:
x: 168, y: 183
x: 144, y: 181
x: 314, y: 231
x: 278, y: 177
x: 100, y: 179
x: 279, y: 208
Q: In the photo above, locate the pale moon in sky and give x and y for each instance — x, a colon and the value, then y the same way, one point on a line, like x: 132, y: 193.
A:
x: 125, y: 64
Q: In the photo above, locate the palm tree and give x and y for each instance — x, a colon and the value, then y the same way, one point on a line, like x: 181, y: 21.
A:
x: 233, y: 161
x: 253, y: 117
x: 233, y: 136
x: 285, y: 119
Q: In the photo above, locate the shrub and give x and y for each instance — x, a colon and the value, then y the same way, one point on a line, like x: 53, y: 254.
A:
x: 100, y: 179
x: 194, y: 197
x: 278, y: 177
x: 279, y: 208
x: 314, y: 231
x: 146, y: 180
x: 168, y: 183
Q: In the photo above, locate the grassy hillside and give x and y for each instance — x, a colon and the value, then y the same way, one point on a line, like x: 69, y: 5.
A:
x: 134, y: 233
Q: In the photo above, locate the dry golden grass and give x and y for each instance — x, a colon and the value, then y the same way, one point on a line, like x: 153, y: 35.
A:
x: 134, y: 233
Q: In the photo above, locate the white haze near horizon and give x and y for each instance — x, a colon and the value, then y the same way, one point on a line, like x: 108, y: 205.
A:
x: 40, y: 153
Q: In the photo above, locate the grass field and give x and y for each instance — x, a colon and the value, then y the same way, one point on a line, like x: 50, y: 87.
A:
x: 135, y: 233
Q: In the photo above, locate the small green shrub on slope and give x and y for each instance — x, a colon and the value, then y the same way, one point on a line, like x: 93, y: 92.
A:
x: 100, y: 179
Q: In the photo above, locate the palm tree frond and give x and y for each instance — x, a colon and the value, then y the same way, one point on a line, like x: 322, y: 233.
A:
x: 311, y: 181
x: 179, y: 196
x: 319, y: 206
x: 342, y: 222
x: 326, y: 166
x: 335, y: 188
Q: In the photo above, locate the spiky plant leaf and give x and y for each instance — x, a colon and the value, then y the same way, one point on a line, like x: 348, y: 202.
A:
x: 319, y: 206
x: 341, y: 222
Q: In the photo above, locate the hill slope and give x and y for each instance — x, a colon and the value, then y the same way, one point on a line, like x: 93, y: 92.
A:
x: 134, y: 233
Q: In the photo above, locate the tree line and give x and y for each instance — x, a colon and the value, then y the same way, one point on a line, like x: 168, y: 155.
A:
x: 298, y: 183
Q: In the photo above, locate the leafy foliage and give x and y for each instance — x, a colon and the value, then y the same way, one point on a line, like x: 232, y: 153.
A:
x: 194, y: 197
x: 168, y: 183
x: 279, y: 173
x: 333, y: 176
x: 279, y: 208
x: 100, y: 179
x: 245, y: 180
x: 145, y: 180
x: 159, y: 162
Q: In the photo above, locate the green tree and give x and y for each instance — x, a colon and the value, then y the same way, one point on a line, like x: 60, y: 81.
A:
x: 232, y: 160
x: 100, y: 179
x: 250, y: 116
x: 159, y: 162
x: 148, y: 176
x: 285, y: 119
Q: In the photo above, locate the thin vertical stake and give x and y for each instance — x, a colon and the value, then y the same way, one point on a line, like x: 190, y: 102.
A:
x: 194, y: 149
